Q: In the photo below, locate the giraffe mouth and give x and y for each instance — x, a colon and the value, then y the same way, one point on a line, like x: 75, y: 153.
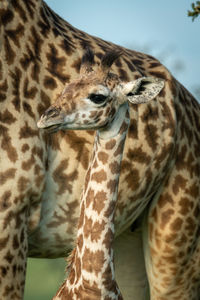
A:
x: 53, y: 128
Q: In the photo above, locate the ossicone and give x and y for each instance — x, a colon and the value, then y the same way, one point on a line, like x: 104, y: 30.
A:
x: 87, y: 61
x: 107, y: 60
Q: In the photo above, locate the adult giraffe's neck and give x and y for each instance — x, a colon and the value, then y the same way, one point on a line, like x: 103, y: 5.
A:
x: 93, y: 257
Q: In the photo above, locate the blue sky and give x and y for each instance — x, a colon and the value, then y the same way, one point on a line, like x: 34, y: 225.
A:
x: 158, y: 27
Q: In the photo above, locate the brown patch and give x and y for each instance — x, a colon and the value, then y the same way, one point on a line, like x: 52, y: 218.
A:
x: 108, y: 240
x: 180, y: 162
x: 7, y: 118
x: 6, y: 16
x: 7, y: 175
x: 176, y: 224
x: 22, y: 184
x: 78, y: 267
x: 19, y: 9
x: 165, y: 217
x: 15, y: 34
x: 123, y: 127
x: 164, y: 154
x: 15, y: 243
x: 103, y: 157
x: 3, y: 88
x: 193, y: 190
x: 150, y: 114
x: 99, y: 201
x: 182, y: 240
x: 80, y: 242
x: 29, y: 92
x: 133, y: 129
x: 71, y: 276
x: 109, y: 284
x: 185, y: 206
x: 89, y: 197
x: 26, y: 165
x: 179, y: 184
x: 45, y: 103
x: 93, y: 261
x: 191, y: 226
x: 99, y: 177
x: 123, y: 75
x: 88, y: 291
x: 111, y: 144
x: 49, y: 82
x: 3, y: 271
x: 79, y: 145
x: 9, y: 53
x: 27, y: 132
x: 96, y: 232
x: 3, y: 242
x: 76, y: 65
x: 111, y: 209
x: 25, y: 148
x: 82, y: 214
x: 138, y: 155
x: 36, y: 42
x: 114, y: 167
x: 93, y: 114
x: 158, y: 74
x: 37, y: 151
x: 9, y: 257
x: 165, y: 199
x: 5, y: 201
x: 151, y: 136
x: 133, y: 179
x: 87, y: 227
x: 119, y: 149
x: 6, y: 144
x: 112, y: 185
x: 99, y: 114
x: 63, y: 180
x: 56, y: 64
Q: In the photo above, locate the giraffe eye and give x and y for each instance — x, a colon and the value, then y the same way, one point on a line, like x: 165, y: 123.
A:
x: 97, y: 98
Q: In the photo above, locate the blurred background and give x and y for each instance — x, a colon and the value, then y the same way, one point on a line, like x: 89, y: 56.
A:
x: 157, y: 27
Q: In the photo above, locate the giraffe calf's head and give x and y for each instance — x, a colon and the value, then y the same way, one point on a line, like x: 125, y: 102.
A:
x: 92, y: 101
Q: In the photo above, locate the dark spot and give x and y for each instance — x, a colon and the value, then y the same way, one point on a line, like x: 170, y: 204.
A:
x: 50, y: 83
x: 165, y: 217
x: 99, y: 177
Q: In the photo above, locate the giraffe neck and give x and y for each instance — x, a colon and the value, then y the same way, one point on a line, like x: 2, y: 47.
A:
x: 92, y: 269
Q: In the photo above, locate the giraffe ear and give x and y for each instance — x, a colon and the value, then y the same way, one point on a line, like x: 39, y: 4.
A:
x: 142, y: 90
x: 87, y: 62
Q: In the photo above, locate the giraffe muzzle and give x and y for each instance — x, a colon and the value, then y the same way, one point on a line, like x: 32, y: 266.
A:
x: 51, y: 120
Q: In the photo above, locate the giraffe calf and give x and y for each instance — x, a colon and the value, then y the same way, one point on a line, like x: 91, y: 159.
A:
x: 97, y: 100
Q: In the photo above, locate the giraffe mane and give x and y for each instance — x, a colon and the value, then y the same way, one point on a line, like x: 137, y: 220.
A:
x: 109, y: 58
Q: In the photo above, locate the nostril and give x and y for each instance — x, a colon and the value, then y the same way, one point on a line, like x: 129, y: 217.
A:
x: 52, y: 112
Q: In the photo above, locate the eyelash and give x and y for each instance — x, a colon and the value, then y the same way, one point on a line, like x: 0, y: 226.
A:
x: 97, y: 98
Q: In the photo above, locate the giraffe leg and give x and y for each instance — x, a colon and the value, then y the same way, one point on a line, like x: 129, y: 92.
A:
x: 171, y: 240
x: 129, y: 265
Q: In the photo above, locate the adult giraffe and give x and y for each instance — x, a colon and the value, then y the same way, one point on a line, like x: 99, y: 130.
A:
x: 41, y: 178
